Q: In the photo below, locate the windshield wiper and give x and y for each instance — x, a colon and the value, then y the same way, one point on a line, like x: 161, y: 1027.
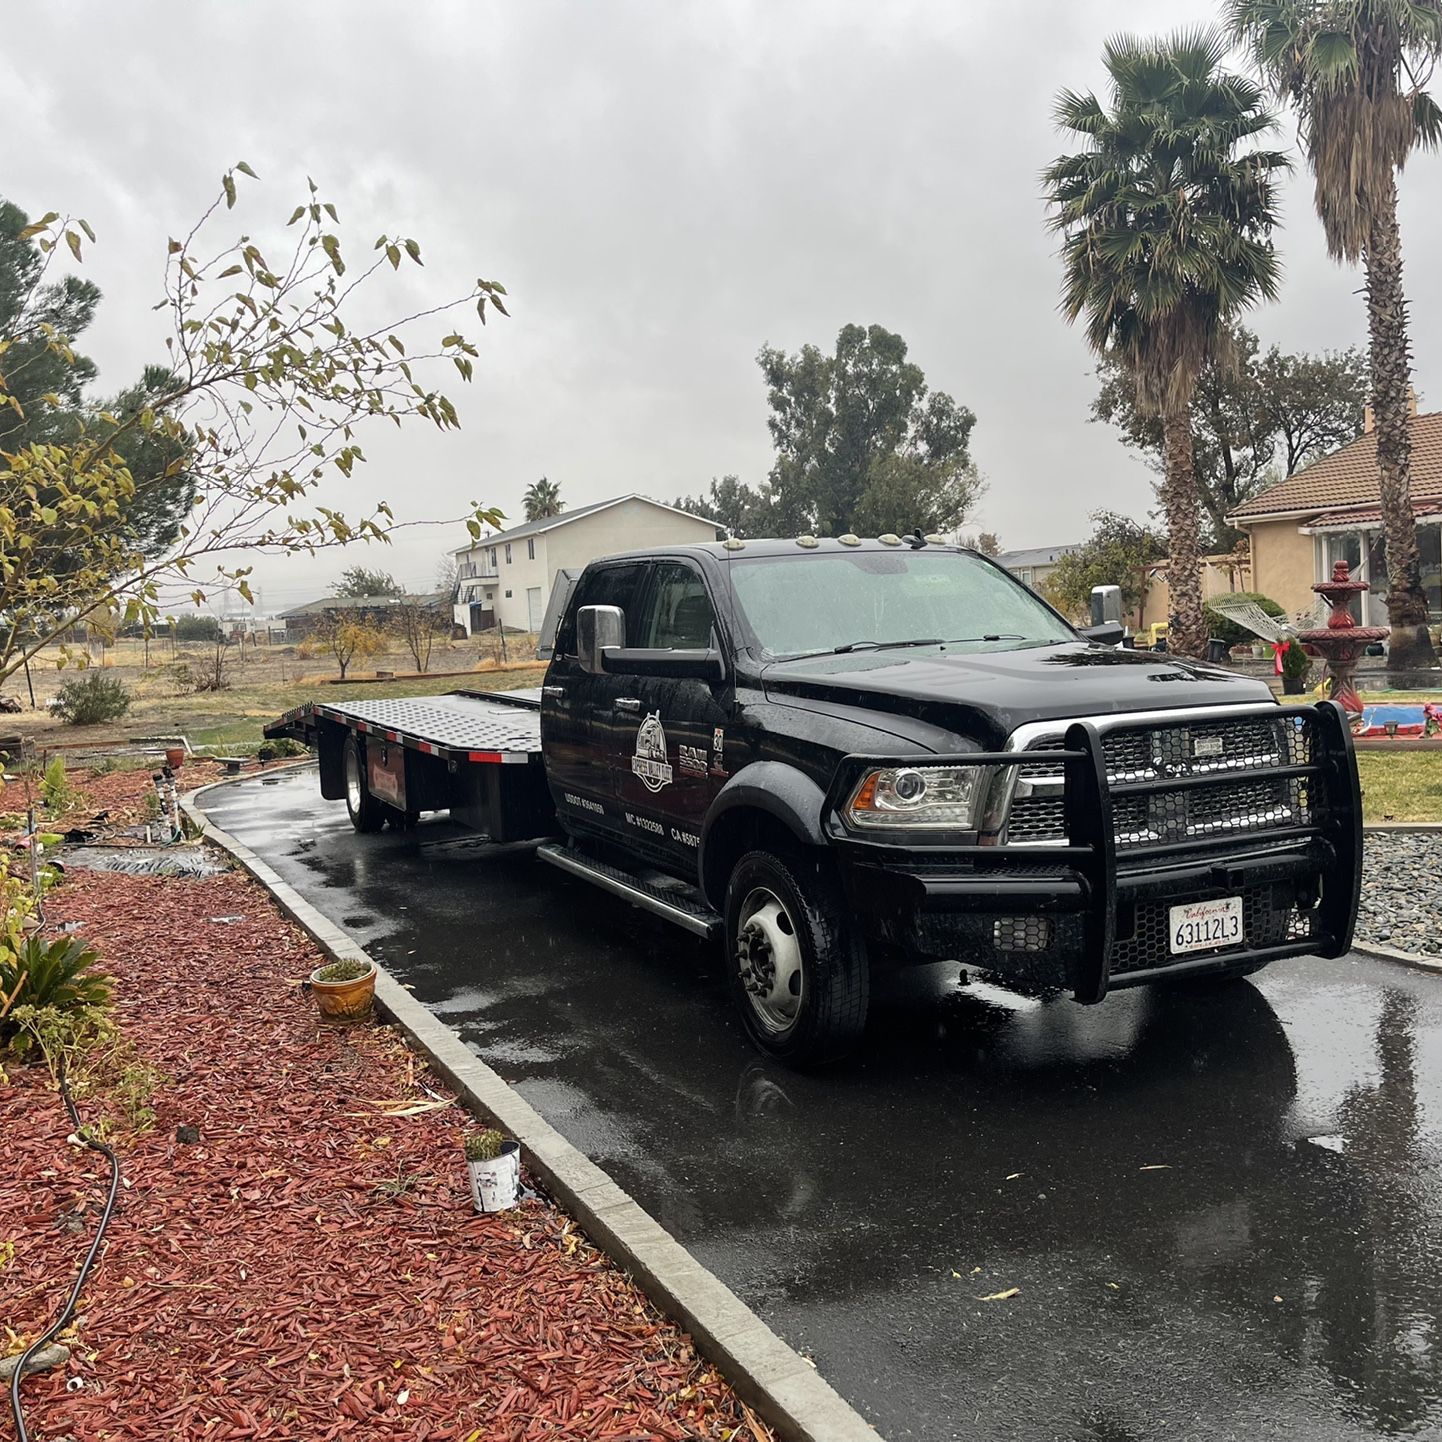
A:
x: 882, y: 645
x: 990, y: 636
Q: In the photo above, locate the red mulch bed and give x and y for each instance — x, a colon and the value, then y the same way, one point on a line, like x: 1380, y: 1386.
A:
x: 311, y: 1269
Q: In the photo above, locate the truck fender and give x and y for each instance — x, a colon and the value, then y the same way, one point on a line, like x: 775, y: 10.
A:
x: 772, y: 788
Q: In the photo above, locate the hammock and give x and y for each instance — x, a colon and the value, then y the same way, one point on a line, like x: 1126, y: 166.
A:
x: 1251, y: 617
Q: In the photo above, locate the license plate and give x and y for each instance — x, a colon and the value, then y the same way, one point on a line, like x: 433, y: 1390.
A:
x: 1202, y: 925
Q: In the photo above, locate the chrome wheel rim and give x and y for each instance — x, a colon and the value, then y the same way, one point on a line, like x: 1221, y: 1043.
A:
x: 353, y: 794
x: 768, y: 959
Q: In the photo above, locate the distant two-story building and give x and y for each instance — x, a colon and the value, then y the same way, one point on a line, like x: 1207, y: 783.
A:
x: 1032, y: 567
x: 506, y: 579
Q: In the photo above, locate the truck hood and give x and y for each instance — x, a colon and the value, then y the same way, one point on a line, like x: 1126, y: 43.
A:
x: 982, y: 697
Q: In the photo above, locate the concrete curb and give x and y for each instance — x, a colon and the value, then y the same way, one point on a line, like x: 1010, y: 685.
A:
x: 784, y: 1389
x: 1379, y: 951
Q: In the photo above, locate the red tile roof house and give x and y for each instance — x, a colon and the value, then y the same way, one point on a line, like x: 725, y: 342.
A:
x: 1329, y: 511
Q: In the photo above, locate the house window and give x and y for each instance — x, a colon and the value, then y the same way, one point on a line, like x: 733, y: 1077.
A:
x: 531, y: 549
x: 493, y: 558
x: 508, y: 553
x: 508, y: 594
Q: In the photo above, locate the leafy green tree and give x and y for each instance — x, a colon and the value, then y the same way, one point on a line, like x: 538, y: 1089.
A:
x: 1354, y: 70
x: 46, y: 385
x: 862, y: 443
x: 1166, y: 216
x: 1255, y: 420
x: 542, y: 500
x: 1117, y: 553
x: 361, y: 581
x: 267, y: 384
x: 192, y: 627
x: 734, y: 507
x: 987, y: 542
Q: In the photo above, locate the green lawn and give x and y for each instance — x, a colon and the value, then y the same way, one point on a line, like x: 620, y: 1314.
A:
x: 1400, y: 785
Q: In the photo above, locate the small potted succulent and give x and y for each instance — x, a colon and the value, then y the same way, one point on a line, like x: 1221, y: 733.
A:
x: 344, y: 990
x: 494, y: 1165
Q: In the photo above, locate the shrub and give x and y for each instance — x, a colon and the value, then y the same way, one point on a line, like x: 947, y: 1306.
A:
x: 55, y: 787
x: 1296, y: 663
x: 58, y: 1000
x: 1225, y: 629
x: 91, y: 698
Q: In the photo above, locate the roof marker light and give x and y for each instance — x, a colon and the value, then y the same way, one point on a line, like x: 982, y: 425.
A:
x: 849, y: 540
x: 889, y: 540
x: 809, y: 542
x: 935, y: 540
x: 734, y: 543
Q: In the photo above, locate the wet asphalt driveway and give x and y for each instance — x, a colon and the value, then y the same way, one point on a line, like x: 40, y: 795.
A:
x: 1223, y: 1212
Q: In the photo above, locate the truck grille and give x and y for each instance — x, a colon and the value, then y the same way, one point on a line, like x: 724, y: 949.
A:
x: 1247, y: 746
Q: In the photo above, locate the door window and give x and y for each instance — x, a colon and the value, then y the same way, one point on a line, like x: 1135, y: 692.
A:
x: 676, y: 613
x: 603, y: 586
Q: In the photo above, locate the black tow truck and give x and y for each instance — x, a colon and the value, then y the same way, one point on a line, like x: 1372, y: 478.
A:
x: 842, y: 755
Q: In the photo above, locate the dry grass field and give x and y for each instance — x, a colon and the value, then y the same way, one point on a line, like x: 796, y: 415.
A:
x: 263, y: 682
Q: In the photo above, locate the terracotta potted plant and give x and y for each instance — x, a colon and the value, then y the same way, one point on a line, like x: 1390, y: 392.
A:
x: 175, y: 757
x: 494, y: 1165
x: 344, y: 990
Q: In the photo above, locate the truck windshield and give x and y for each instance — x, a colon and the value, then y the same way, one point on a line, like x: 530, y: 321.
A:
x: 806, y: 605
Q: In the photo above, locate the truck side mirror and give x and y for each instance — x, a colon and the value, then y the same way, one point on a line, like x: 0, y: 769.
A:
x: 598, y: 627
x: 1109, y: 633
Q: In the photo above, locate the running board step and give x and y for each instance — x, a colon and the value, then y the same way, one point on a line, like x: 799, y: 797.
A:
x: 673, y: 901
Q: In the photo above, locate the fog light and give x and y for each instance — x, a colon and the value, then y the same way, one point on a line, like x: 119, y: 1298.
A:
x: 1021, y: 933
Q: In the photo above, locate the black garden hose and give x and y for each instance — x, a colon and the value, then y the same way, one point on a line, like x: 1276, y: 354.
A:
x: 58, y: 1325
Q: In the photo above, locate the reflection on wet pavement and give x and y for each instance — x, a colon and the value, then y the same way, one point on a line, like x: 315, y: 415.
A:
x: 1221, y: 1208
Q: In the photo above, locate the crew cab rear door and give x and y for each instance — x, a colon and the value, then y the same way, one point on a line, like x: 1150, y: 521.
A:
x: 668, y: 732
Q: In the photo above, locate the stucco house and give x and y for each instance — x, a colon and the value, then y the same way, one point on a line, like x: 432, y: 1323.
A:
x: 1330, y: 511
x: 506, y: 579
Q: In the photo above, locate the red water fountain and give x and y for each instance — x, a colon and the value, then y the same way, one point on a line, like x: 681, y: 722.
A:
x: 1342, y: 642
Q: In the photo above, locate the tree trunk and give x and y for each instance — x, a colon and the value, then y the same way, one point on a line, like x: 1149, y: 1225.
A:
x: 1187, y: 629
x: 1410, y: 647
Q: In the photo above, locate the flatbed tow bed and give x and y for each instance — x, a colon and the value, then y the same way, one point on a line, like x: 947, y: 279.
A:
x: 476, y: 754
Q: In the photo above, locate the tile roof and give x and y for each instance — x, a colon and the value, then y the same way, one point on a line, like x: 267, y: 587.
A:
x: 1351, y: 517
x: 1348, y: 477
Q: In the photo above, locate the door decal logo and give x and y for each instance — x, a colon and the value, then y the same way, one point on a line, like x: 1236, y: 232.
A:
x: 649, y: 762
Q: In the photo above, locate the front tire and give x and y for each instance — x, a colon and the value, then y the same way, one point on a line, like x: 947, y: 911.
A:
x: 366, y: 812
x: 795, y: 965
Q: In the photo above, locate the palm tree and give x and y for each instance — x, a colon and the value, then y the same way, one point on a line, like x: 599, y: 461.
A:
x: 542, y: 499
x: 1351, y: 69
x: 1166, y: 222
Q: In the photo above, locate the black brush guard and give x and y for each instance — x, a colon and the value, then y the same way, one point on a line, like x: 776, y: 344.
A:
x: 1080, y: 882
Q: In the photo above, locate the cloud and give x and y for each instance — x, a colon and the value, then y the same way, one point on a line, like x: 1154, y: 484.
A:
x: 663, y: 189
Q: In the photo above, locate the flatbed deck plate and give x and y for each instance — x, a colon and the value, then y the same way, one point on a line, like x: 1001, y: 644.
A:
x: 505, y: 727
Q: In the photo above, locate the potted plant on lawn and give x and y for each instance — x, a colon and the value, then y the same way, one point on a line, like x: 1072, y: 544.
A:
x: 344, y: 990
x: 494, y: 1165
x: 1296, y: 668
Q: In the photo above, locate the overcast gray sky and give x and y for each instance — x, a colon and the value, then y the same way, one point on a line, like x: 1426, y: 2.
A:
x: 663, y: 188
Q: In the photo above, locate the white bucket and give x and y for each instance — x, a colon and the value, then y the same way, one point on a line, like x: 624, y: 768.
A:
x: 494, y: 1184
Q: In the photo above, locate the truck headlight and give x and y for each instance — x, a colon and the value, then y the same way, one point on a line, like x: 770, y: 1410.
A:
x: 939, y: 798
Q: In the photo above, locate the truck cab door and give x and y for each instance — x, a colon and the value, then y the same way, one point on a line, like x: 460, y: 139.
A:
x: 668, y: 732
x: 576, y: 706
